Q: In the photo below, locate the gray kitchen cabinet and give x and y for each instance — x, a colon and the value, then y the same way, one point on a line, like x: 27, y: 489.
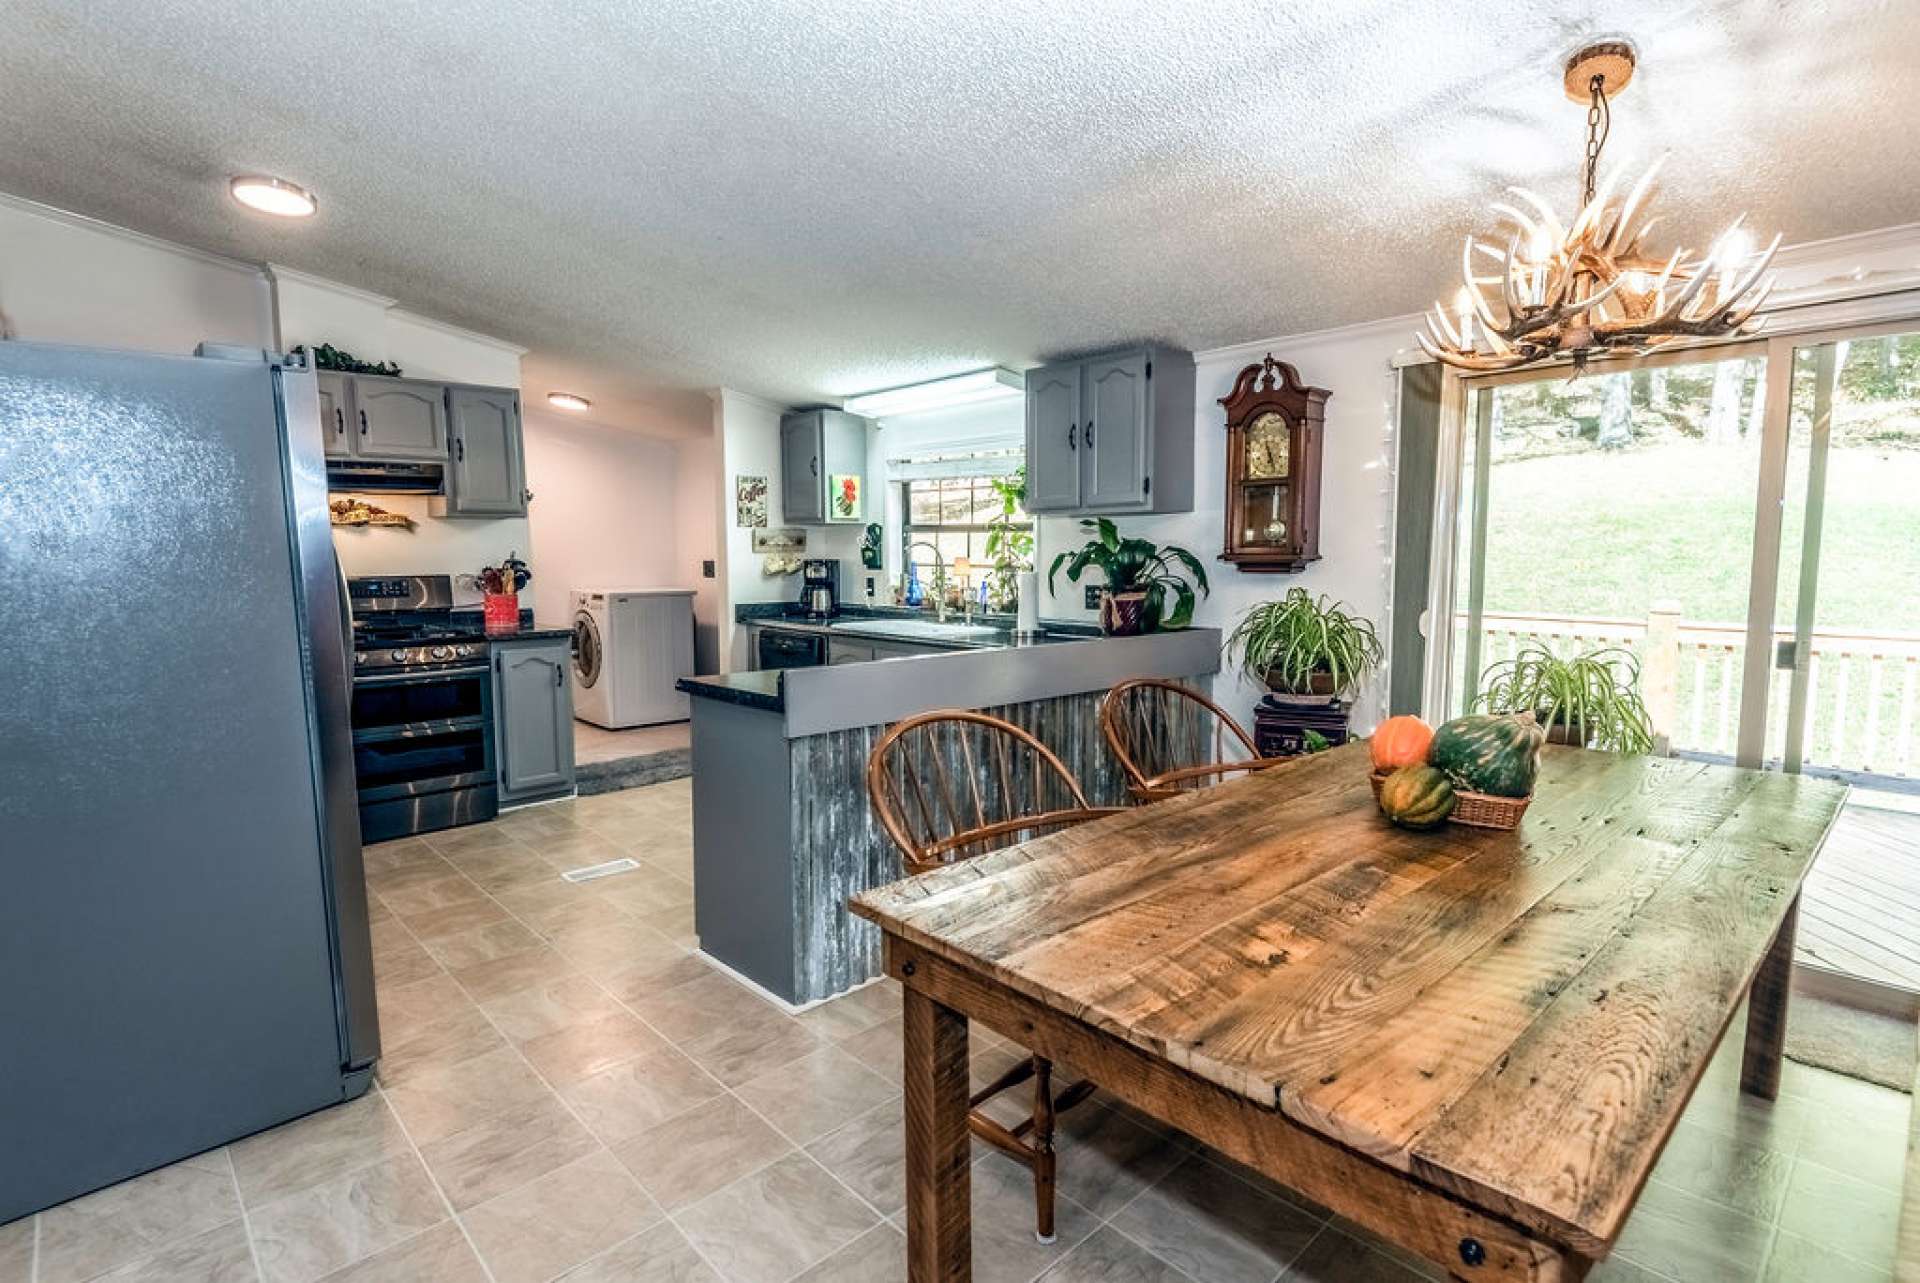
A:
x: 533, y: 718
x: 1111, y: 434
x: 815, y: 446
x: 335, y: 401
x: 848, y: 652
x: 487, y: 474
x: 399, y: 419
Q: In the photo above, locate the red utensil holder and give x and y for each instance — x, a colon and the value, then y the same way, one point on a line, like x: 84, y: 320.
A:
x: 501, y: 612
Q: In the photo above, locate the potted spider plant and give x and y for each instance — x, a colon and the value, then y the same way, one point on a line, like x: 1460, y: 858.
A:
x: 1592, y: 699
x: 1141, y: 577
x: 1305, y: 649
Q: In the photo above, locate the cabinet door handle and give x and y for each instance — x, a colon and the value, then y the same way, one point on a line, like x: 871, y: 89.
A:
x: 813, y: 466
x: 339, y: 422
x: 1088, y: 438
x: 559, y: 676
x: 363, y: 423
x: 1073, y: 436
x: 459, y: 449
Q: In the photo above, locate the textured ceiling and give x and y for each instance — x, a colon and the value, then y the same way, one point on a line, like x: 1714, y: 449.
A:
x: 811, y: 198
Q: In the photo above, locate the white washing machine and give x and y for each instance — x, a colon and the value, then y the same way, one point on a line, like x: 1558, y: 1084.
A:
x: 630, y: 645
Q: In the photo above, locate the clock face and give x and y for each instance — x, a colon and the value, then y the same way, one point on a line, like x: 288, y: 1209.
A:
x: 1266, y: 448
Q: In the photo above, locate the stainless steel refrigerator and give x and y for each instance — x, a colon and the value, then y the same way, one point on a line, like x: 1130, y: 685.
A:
x: 184, y: 952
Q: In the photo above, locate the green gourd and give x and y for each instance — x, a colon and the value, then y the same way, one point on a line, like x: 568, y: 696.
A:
x: 1489, y: 753
x: 1417, y: 797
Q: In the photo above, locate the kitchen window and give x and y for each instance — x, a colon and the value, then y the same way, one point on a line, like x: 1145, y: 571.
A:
x: 957, y: 514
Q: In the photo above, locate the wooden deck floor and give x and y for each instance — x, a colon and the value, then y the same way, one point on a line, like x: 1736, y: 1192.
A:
x: 1860, y: 909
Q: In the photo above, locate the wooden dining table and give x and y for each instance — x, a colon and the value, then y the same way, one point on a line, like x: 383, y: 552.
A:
x: 1472, y: 1042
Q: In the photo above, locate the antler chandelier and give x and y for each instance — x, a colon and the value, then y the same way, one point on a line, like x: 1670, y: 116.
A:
x: 1587, y: 288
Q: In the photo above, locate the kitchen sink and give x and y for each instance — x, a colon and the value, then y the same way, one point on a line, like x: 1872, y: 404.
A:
x: 930, y: 629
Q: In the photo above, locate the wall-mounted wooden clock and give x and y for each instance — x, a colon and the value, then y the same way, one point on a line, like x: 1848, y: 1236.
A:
x: 1275, y: 426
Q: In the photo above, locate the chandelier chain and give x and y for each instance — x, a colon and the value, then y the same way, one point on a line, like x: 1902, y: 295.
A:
x: 1599, y: 124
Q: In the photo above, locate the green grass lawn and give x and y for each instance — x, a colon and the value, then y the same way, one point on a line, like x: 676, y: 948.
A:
x: 1611, y: 532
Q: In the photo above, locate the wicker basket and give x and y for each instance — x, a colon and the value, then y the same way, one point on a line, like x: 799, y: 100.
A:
x: 1475, y: 810
x: 1486, y: 811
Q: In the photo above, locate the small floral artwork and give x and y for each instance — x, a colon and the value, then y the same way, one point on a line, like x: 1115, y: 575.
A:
x: 845, y: 492
x: 750, y: 502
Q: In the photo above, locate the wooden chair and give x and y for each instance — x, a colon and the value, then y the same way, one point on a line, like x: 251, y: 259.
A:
x: 947, y: 786
x: 1171, y: 740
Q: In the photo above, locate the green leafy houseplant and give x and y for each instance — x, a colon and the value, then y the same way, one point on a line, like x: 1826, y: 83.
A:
x: 1009, y: 547
x: 1592, y: 699
x: 1305, y: 645
x: 1136, y: 569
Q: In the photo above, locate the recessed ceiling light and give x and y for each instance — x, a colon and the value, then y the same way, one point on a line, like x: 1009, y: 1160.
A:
x: 567, y: 401
x: 273, y: 196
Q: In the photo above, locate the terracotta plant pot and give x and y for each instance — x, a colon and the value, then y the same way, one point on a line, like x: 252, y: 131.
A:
x: 1319, y: 689
x: 1123, y: 614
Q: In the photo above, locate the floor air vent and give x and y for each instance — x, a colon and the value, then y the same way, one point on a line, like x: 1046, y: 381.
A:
x: 606, y: 870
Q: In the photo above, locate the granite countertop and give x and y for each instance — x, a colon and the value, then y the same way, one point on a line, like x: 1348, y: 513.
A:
x: 773, y: 615
x: 537, y: 630
x: 761, y: 689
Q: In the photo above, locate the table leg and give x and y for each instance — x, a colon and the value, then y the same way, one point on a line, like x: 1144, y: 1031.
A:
x: 1767, y: 1012
x: 939, y: 1199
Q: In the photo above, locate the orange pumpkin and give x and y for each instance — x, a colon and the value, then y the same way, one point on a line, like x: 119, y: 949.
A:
x: 1400, y: 741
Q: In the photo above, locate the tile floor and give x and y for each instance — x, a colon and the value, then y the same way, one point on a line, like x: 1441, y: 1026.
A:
x: 593, y: 744
x: 567, y: 1092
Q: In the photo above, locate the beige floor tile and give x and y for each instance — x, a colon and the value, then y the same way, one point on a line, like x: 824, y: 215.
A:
x: 574, y: 849
x: 745, y: 1049
x: 624, y: 1101
x: 816, y: 1094
x: 556, y: 904
x: 868, y: 1155
x: 490, y: 943
x: 703, y: 1004
x: 1105, y: 1161
x: 1683, y: 1236
x: 1213, y: 1225
x: 401, y: 962
x: 441, y: 1101
x: 581, y: 1051
x: 406, y: 1008
x: 383, y: 858
x: 221, y: 1255
x: 1738, y: 1174
x: 851, y: 1013
x: 530, y: 1013
x: 1847, y: 1133
x: 316, y: 1149
x: 123, y: 1222
x: 697, y: 1152
x: 500, y: 1152
x: 430, y: 894
x: 1334, y: 1257
x: 878, y: 1256
x: 462, y: 1034
x: 637, y: 982
x: 608, y: 948
x: 533, y: 969
x: 1841, y: 1213
x: 1109, y: 1256
x: 530, y: 1234
x: 1795, y: 1259
x: 16, y: 1251
x: 675, y: 924
x: 437, y: 924
x: 439, y: 1255
x: 767, y: 1227
x: 429, y: 867
x: 676, y: 860
x: 504, y: 869
x: 1004, y: 1248
x: 310, y: 1234
x: 471, y: 837
x: 660, y: 1255
x: 645, y: 891
x: 880, y: 1045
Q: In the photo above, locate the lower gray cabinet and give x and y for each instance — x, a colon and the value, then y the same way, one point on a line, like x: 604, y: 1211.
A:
x: 533, y: 718
x: 847, y: 652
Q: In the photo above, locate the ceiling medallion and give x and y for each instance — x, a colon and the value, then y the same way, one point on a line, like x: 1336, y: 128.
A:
x: 1588, y: 289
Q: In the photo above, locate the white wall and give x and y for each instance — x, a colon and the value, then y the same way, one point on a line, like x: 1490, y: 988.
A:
x: 68, y: 279
x: 604, y: 513
x: 700, y: 517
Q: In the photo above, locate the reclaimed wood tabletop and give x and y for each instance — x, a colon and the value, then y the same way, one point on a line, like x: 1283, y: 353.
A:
x: 1508, y: 1022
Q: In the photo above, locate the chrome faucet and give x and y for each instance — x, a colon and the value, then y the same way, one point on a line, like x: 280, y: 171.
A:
x: 939, y: 584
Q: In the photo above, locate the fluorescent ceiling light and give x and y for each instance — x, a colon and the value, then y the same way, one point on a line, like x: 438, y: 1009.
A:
x: 940, y: 394
x: 567, y: 401
x: 274, y: 196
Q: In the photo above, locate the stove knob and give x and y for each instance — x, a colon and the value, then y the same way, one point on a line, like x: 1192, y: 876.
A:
x: 463, y: 651
x: 398, y: 657
x: 439, y: 652
x: 359, y: 657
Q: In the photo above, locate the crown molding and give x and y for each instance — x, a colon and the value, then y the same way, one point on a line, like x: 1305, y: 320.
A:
x: 54, y: 214
x: 1881, y: 240
x: 722, y: 396
x: 456, y: 331
x: 281, y: 272
x: 1388, y: 327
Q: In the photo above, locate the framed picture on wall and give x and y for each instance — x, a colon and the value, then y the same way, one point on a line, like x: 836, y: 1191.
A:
x: 750, y: 501
x: 843, y: 496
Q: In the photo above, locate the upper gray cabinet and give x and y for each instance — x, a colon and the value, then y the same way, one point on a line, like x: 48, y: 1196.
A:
x: 334, y: 409
x: 400, y: 419
x: 817, y: 446
x: 1111, y: 434
x: 486, y: 476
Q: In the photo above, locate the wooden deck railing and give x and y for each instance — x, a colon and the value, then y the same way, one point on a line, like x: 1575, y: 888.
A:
x: 1862, y: 688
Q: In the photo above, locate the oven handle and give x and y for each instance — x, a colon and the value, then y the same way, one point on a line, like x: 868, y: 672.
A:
x: 410, y: 679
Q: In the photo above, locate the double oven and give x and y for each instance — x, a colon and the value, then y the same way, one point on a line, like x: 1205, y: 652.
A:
x: 423, y: 728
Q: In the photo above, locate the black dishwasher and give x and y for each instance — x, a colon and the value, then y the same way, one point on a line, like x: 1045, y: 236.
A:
x: 784, y: 648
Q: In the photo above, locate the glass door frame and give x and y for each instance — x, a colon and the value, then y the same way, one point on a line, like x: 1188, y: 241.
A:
x: 1760, y: 658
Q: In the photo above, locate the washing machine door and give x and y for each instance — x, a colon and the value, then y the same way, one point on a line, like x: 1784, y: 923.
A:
x: 586, y: 650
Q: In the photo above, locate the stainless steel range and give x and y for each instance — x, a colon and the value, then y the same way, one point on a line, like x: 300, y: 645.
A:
x: 422, y: 708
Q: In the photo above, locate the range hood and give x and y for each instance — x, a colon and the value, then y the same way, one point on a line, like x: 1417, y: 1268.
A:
x: 365, y: 477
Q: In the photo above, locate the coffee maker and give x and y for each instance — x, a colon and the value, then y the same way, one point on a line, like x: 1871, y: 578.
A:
x: 819, y: 587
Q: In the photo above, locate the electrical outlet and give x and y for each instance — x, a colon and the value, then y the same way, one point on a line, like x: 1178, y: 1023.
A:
x: 707, y: 570
x: 870, y: 585
x: 1093, y: 596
